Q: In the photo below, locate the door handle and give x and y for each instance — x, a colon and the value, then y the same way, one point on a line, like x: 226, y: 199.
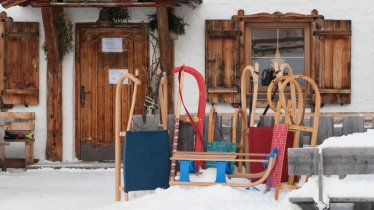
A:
x: 83, y: 94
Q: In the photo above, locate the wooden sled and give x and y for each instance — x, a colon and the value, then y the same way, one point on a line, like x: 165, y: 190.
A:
x: 197, y: 122
x: 146, y: 163
x: 294, y: 115
x: 223, y: 160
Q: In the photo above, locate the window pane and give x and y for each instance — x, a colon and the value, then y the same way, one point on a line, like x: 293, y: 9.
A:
x: 290, y: 45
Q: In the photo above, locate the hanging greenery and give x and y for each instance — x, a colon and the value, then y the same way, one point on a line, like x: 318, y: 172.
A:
x: 176, y: 24
x: 64, y: 32
x: 119, y: 14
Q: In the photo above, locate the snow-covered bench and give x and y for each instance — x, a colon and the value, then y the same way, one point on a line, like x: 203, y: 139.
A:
x: 329, y: 161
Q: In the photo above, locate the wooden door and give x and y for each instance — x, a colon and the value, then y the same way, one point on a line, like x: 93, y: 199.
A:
x: 100, y: 50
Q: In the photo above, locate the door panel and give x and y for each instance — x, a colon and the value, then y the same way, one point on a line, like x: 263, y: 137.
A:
x: 96, y: 112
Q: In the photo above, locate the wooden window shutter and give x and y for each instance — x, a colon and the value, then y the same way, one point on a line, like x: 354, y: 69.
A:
x: 333, y: 60
x: 20, y: 72
x: 222, y: 61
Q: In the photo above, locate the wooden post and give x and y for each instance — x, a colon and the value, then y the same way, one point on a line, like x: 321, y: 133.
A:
x: 54, y: 87
x: 29, y: 153
x: 2, y: 145
x: 166, y: 49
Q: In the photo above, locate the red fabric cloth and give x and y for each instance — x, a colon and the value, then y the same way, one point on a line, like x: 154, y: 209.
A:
x: 260, y: 142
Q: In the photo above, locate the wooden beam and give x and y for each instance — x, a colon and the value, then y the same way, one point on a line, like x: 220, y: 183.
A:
x: 19, y: 115
x: 10, y: 3
x: 21, y: 92
x: 169, y: 4
x: 166, y: 50
x: 54, y: 87
x: 336, y: 161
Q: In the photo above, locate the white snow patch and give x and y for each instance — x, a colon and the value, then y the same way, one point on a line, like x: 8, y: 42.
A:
x: 45, y: 189
x: 352, y: 140
x: 353, y: 186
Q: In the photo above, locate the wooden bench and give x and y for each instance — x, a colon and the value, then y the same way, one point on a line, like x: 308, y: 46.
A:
x: 17, y: 122
x: 340, y: 161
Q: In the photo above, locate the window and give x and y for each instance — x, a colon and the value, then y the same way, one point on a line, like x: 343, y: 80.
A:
x: 283, y: 43
x: 266, y: 43
x: 310, y: 44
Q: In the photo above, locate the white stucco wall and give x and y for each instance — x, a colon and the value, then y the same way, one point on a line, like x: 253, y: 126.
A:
x: 189, y: 50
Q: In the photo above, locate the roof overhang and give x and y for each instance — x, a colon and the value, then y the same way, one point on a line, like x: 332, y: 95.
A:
x: 97, y: 3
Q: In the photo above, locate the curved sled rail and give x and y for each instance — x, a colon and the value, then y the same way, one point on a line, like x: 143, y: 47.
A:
x: 163, y: 92
x: 253, y: 72
x: 317, y: 104
x: 202, y: 102
x: 117, y: 127
x: 243, y: 132
x: 249, y: 71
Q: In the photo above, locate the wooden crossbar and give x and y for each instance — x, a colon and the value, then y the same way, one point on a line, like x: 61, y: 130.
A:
x: 217, y: 158
x: 301, y: 128
x: 223, y: 153
x: 210, y: 184
x: 18, y: 115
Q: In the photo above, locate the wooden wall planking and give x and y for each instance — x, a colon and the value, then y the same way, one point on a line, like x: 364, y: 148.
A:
x: 353, y: 124
x: 327, y: 128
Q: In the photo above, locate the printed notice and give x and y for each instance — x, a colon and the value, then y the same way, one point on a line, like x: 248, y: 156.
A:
x: 112, y: 45
x: 115, y: 74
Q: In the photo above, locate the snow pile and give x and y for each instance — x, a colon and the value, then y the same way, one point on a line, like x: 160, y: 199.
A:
x: 352, y: 140
x: 79, y: 189
x: 353, y: 186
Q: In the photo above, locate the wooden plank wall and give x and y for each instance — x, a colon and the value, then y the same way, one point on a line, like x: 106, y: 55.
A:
x: 21, y: 65
x: 333, y: 48
x: 328, y: 127
x: 222, y: 70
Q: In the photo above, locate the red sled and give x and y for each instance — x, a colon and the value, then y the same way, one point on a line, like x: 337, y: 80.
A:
x: 201, y: 108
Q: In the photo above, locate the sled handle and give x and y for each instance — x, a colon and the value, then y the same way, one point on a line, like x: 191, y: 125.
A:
x: 117, y: 126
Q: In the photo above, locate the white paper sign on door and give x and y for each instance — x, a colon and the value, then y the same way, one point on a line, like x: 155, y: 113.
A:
x: 112, y: 45
x: 115, y: 74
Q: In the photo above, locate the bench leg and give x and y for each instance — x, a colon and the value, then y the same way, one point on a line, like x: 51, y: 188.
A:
x: 29, y: 153
x: 185, y: 166
x: 2, y: 157
x: 221, y: 171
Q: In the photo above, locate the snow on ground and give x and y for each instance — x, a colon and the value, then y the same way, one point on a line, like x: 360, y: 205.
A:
x: 351, y: 185
x: 70, y: 189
